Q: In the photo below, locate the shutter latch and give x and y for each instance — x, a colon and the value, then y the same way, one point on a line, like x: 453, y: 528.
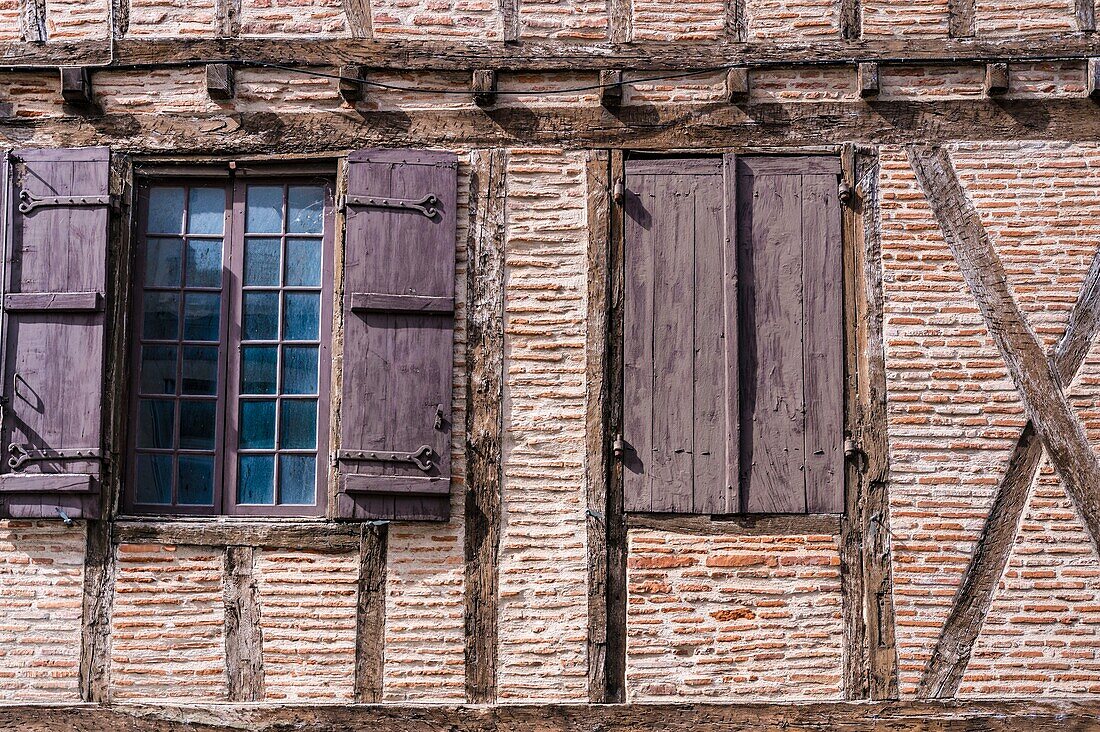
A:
x: 422, y: 458
x: 20, y: 455
x: 439, y: 416
x: 426, y: 205
x: 30, y: 201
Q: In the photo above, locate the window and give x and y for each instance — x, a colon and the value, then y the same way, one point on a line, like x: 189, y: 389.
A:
x: 733, y: 336
x: 232, y: 306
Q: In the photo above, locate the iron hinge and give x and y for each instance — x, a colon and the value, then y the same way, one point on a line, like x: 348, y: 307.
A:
x: 20, y: 455
x: 421, y: 458
x: 426, y: 205
x: 30, y: 201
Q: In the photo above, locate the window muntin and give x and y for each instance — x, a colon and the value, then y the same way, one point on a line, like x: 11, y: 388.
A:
x: 233, y: 320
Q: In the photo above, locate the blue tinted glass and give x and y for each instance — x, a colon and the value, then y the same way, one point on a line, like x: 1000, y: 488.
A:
x: 153, y: 482
x: 261, y: 316
x: 158, y: 370
x: 197, y: 425
x: 196, y: 480
x: 307, y: 207
x: 303, y: 262
x: 258, y: 366
x: 299, y: 369
x: 256, y: 479
x: 264, y: 210
x: 301, y: 316
x: 201, y: 313
x: 162, y: 318
x: 204, y: 263
x: 257, y: 425
x: 200, y: 370
x: 297, y: 479
x: 156, y: 419
x: 261, y: 262
x: 165, y: 211
x: 162, y: 262
x: 206, y: 211
x: 298, y: 425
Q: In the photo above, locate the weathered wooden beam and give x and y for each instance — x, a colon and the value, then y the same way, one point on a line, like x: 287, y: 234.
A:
x: 867, y: 79
x: 244, y: 645
x: 351, y: 91
x: 1085, y: 14
x: 32, y: 16
x: 996, y: 79
x: 945, y: 669
x: 736, y: 27
x: 1039, y: 388
x: 851, y: 19
x: 509, y: 14
x: 370, y: 613
x: 620, y: 21
x: 76, y: 86
x: 484, y: 87
x: 484, y: 417
x: 227, y: 15
x: 611, y: 88
x: 1092, y: 81
x: 960, y: 18
x: 746, y: 525
x: 219, y: 81
x: 995, y: 715
x: 98, y: 601
x: 326, y: 536
x: 737, y: 84
x: 358, y: 14
x: 120, y: 18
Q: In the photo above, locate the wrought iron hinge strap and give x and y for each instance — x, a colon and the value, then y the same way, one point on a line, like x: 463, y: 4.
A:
x: 421, y: 458
x: 20, y: 455
x: 30, y: 201
x: 426, y: 205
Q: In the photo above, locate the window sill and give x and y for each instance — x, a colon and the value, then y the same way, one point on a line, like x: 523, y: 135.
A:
x: 314, y: 534
x: 769, y: 524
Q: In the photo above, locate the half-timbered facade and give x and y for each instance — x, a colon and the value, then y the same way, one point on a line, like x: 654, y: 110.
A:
x: 549, y: 365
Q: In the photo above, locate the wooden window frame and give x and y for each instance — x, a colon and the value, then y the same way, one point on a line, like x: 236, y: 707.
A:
x: 225, y: 450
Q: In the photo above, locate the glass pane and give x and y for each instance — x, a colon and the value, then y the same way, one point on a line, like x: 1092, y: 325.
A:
x: 162, y: 262
x: 301, y: 316
x: 162, y: 316
x: 153, y: 482
x: 200, y: 370
x: 196, y: 480
x: 307, y: 206
x: 300, y: 370
x: 165, y: 211
x: 298, y: 425
x: 264, y: 210
x: 156, y: 418
x: 197, y: 425
x: 297, y: 479
x: 256, y: 479
x: 258, y: 365
x: 204, y: 263
x: 261, y: 316
x: 261, y: 262
x: 206, y: 211
x: 158, y: 370
x: 201, y: 313
x: 303, y: 262
x: 257, y: 425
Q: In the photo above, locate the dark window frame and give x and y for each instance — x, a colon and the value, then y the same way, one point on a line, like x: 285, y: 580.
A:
x: 229, y: 344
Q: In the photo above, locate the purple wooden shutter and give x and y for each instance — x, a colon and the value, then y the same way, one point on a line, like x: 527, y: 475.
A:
x: 680, y: 425
x: 399, y: 271
x: 55, y: 275
x: 792, y: 366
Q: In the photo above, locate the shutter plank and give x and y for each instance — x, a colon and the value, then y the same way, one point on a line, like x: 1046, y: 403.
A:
x: 824, y: 338
x: 771, y: 342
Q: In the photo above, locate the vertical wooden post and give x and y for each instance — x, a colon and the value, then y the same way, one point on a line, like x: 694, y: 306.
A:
x: 370, y: 613
x: 851, y: 19
x: 509, y: 12
x: 227, y: 14
x: 1085, y: 13
x: 735, y: 21
x: 960, y: 18
x: 120, y: 18
x: 360, y: 24
x: 244, y: 654
x: 870, y: 660
x: 33, y: 16
x: 621, y: 20
x: 484, y: 416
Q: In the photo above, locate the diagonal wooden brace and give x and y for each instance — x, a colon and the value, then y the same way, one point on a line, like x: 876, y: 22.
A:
x: 1039, y: 384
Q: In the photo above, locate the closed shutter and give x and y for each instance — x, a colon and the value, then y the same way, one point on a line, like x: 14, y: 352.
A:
x: 792, y: 365
x: 53, y: 332
x: 680, y: 337
x: 394, y: 456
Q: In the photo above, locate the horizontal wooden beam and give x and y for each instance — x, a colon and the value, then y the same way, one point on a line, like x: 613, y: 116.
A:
x: 316, y: 535
x: 544, y: 55
x: 638, y: 127
x: 996, y: 715
x: 749, y: 525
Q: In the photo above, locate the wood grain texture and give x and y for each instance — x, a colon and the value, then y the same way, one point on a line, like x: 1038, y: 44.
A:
x: 1040, y: 389
x: 851, y: 19
x: 360, y: 23
x: 867, y: 79
x: 484, y: 417
x: 1084, y: 12
x: 324, y: 536
x: 620, y: 21
x: 597, y: 442
x: 57, y: 301
x: 945, y: 668
x: 120, y: 18
x: 100, y: 570
x: 996, y: 715
x: 227, y: 18
x: 219, y: 81
x: 960, y: 18
x: 32, y: 15
x: 736, y: 25
x: 394, y: 303
x: 781, y: 524
x: 870, y: 658
x: 509, y: 13
x: 244, y: 663
x: 370, y: 613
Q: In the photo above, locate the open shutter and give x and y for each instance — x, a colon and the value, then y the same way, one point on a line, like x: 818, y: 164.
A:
x: 53, y: 332
x: 792, y: 365
x: 680, y: 425
x: 394, y: 455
